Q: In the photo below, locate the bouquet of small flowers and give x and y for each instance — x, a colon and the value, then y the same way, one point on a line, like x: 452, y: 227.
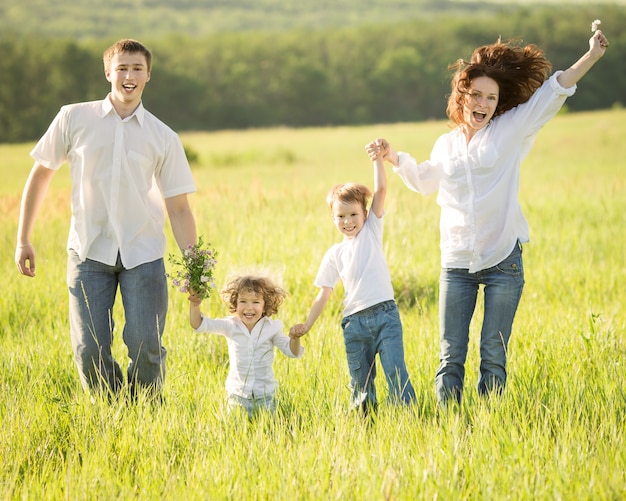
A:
x: 194, y: 269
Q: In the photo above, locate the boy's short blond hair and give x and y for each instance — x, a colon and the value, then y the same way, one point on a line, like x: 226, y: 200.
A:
x: 349, y: 193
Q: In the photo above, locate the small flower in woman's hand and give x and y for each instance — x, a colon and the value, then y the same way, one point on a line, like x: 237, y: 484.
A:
x: 595, y: 25
x: 195, y: 270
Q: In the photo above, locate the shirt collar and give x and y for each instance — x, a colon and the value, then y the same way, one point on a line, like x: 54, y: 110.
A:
x: 107, y: 107
x: 260, y: 325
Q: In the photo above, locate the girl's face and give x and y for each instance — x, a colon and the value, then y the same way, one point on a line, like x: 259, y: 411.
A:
x: 480, y: 103
x: 250, y: 306
x: 349, y: 218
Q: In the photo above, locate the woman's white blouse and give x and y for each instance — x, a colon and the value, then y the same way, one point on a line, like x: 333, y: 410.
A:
x: 478, y: 183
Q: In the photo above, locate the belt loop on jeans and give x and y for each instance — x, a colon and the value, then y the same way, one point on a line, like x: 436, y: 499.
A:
x: 384, y: 306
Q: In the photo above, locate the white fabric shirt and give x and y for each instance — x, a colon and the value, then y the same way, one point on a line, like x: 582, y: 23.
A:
x: 360, y: 264
x: 251, y: 353
x: 478, y: 183
x: 121, y: 170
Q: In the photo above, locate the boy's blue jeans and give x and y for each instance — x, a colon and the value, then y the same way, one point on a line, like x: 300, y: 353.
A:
x: 92, y: 290
x: 376, y: 330
x: 458, y: 291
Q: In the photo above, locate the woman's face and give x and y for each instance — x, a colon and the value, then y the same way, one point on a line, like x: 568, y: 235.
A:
x: 480, y: 102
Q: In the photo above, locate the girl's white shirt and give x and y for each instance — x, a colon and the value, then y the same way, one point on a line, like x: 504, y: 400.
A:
x: 478, y: 183
x: 251, y: 354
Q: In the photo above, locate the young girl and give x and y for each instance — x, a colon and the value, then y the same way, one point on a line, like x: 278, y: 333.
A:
x: 251, y: 335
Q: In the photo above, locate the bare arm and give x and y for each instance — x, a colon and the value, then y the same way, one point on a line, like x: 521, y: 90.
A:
x: 392, y: 156
x: 380, y: 176
x: 182, y: 220
x: 597, y: 47
x: 294, y: 345
x: 316, y: 310
x: 195, y: 314
x: 33, y: 196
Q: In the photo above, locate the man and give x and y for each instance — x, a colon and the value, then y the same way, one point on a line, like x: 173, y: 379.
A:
x: 123, y: 162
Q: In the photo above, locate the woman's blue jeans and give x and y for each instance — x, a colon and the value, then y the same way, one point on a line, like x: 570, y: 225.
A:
x: 92, y: 290
x: 376, y: 330
x: 458, y: 291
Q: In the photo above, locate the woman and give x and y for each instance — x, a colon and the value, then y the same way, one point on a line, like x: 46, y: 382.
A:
x: 499, y: 101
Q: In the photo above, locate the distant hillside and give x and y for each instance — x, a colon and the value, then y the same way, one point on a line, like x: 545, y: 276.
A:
x: 235, y: 64
x: 150, y: 19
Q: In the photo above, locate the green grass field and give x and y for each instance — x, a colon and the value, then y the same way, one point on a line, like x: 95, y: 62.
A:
x: 557, y: 433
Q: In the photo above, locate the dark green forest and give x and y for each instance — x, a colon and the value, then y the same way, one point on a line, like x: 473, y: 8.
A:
x: 239, y: 64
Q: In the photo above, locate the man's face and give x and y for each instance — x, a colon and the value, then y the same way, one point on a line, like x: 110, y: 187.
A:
x: 128, y: 74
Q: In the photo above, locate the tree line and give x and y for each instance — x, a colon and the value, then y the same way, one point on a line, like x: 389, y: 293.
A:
x: 359, y: 75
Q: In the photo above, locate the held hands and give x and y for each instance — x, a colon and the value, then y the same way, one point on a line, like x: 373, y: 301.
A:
x: 298, y: 330
x: 381, y: 148
x: 377, y: 149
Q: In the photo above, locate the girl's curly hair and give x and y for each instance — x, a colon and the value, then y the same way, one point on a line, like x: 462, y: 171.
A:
x: 273, y: 295
x: 518, y: 71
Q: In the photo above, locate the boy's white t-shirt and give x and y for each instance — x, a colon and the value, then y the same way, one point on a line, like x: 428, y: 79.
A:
x: 360, y: 264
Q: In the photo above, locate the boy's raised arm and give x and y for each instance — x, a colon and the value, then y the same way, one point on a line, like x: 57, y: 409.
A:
x: 376, y: 153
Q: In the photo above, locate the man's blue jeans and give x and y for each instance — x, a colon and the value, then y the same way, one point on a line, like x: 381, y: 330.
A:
x: 92, y: 290
x: 458, y: 291
x: 376, y: 330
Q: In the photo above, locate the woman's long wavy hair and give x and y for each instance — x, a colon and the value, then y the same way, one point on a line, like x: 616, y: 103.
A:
x: 518, y: 71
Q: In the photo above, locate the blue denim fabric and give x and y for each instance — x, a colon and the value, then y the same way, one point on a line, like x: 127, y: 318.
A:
x: 92, y: 290
x: 252, y: 406
x: 376, y: 330
x: 458, y: 291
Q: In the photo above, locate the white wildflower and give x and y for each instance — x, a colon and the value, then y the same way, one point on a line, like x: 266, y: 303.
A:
x: 595, y: 25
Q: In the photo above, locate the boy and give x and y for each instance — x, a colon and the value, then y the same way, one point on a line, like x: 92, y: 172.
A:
x: 123, y: 162
x: 371, y: 322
